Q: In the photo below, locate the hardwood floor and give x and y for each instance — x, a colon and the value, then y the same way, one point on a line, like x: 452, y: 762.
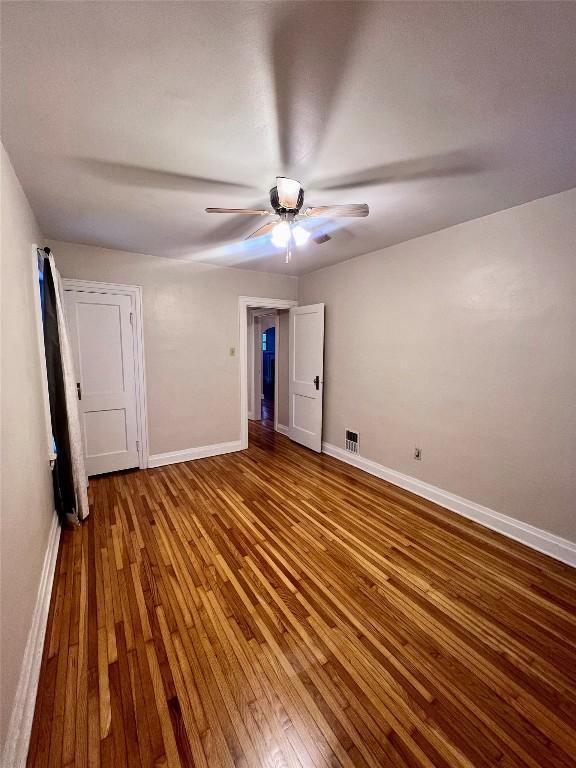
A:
x: 277, y: 608
x: 268, y: 413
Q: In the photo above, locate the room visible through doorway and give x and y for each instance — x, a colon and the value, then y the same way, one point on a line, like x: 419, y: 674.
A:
x: 264, y: 379
x: 268, y: 369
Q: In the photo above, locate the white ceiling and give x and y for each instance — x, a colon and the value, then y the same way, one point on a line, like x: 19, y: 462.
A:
x: 124, y: 120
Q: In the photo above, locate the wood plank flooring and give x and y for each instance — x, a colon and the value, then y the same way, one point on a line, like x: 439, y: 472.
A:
x: 277, y: 608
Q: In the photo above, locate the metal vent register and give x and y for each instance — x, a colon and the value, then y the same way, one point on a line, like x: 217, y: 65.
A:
x: 352, y: 441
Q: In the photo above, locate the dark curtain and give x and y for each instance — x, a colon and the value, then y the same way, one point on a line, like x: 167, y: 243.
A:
x: 62, y: 479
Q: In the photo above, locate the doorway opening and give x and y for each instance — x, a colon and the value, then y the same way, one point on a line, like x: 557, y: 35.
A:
x: 303, y: 354
x: 263, y: 363
x: 268, y: 368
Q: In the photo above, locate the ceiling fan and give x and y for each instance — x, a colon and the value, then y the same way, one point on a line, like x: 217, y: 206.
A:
x: 287, y: 198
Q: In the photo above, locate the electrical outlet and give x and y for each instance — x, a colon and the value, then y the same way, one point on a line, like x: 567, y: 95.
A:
x: 418, y: 454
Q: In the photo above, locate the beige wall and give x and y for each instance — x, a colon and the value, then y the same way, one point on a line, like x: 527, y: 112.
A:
x: 282, y: 358
x: 26, y: 495
x: 190, y: 323
x: 463, y: 342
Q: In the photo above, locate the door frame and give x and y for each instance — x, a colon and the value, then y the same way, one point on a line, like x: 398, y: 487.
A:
x: 135, y: 294
x: 244, y: 304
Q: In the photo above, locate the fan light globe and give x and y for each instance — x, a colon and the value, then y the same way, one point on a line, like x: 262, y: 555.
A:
x: 281, y: 234
x: 300, y: 235
x: 288, y: 191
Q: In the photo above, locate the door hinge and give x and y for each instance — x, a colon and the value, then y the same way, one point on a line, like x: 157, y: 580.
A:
x: 138, y: 445
x: 131, y: 318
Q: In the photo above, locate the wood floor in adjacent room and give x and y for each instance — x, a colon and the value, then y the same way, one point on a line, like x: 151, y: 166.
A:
x: 276, y: 608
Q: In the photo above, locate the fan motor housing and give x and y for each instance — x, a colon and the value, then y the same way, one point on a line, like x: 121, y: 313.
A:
x: 275, y: 203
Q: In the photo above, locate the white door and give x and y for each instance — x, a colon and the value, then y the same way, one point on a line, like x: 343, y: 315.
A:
x: 102, y: 340
x: 306, y: 375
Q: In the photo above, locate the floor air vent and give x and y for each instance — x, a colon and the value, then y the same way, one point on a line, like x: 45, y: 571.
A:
x: 351, y: 441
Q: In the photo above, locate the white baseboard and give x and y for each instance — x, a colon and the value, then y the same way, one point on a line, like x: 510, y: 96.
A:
x: 536, y: 538
x: 190, y: 454
x: 20, y: 726
x: 282, y: 429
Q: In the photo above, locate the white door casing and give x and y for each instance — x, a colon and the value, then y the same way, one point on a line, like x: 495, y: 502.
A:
x: 102, y: 338
x: 306, y: 375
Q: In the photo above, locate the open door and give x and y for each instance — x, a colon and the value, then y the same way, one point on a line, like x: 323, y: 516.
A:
x: 306, y: 375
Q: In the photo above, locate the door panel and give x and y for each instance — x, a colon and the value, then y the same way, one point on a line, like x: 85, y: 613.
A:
x: 306, y: 375
x: 100, y: 350
x: 306, y: 359
x: 105, y: 431
x: 102, y: 340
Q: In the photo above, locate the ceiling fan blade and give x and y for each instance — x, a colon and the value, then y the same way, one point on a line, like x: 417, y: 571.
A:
x: 235, y: 226
x: 445, y: 165
x: 127, y: 175
x: 241, y: 211
x: 332, y: 211
x: 288, y: 191
x: 263, y: 230
x: 307, y: 79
